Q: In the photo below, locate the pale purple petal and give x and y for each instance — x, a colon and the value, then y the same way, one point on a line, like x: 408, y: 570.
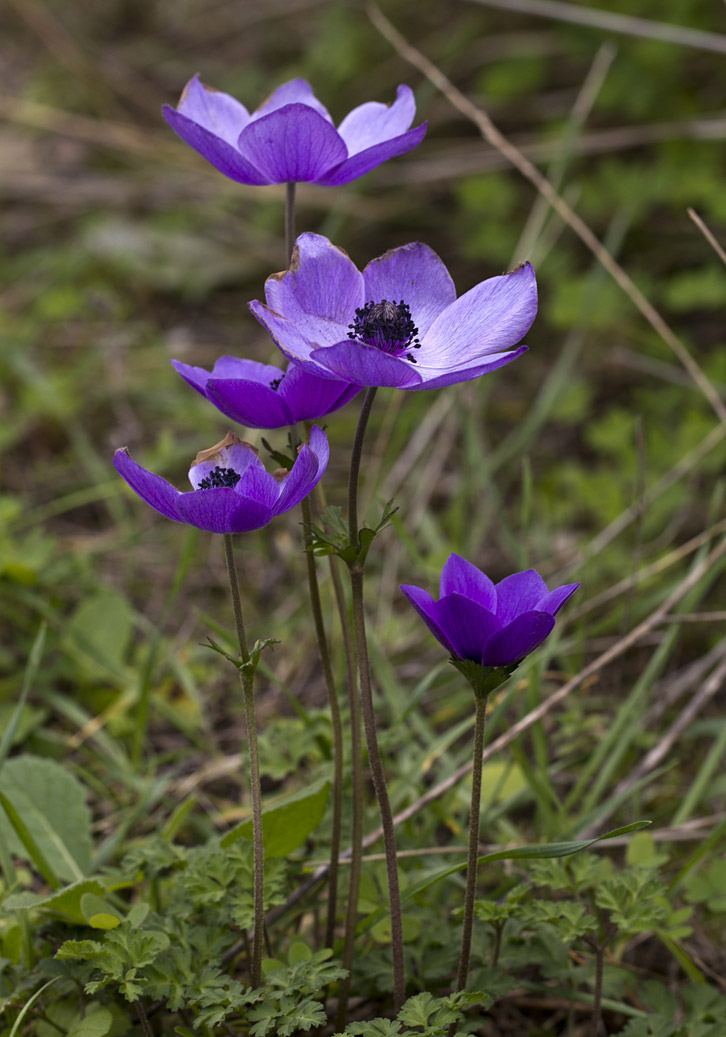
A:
x: 413, y: 274
x: 518, y: 639
x: 236, y: 455
x: 461, y: 577
x: 223, y: 156
x: 466, y: 623
x: 491, y: 317
x: 157, y: 492
x: 323, y: 281
x: 366, y: 365
x: 426, y: 607
x: 518, y: 593
x: 227, y: 367
x: 220, y: 113
x: 308, y: 470
x: 362, y: 163
x: 294, y: 143
x: 432, y: 378
x: 296, y: 91
x: 222, y: 511
x: 373, y: 122
x: 288, y: 338
x: 554, y: 601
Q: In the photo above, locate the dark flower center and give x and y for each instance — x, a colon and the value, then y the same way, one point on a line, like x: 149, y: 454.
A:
x: 220, y: 477
x: 388, y: 326
x: 275, y: 383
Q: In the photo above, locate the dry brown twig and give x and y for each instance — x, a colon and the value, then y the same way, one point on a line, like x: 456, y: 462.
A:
x: 493, y: 136
x: 708, y: 235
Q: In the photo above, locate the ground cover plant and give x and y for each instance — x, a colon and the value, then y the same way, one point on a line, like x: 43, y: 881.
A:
x: 410, y: 721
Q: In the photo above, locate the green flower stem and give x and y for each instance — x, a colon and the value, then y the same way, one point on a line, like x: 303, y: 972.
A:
x: 247, y: 680
x: 369, y: 717
x: 314, y: 592
x: 289, y: 221
x: 473, y: 857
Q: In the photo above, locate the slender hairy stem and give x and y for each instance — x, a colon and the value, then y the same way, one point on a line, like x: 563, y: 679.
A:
x: 471, y: 863
x: 314, y: 591
x: 289, y: 220
x: 597, y: 996
x: 246, y: 680
x: 144, y: 1020
x: 369, y: 717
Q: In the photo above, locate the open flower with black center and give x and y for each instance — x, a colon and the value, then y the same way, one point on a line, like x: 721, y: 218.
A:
x: 232, y: 491
x: 262, y: 396
x: 494, y: 625
x: 399, y: 322
x: 291, y: 137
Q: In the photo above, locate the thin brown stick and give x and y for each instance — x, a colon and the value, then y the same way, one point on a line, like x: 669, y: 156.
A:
x: 496, y: 139
x: 708, y: 235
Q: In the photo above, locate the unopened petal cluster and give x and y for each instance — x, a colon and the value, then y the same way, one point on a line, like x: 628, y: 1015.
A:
x: 232, y: 491
x: 396, y: 323
x: 291, y: 137
x: 487, y: 623
x: 262, y: 396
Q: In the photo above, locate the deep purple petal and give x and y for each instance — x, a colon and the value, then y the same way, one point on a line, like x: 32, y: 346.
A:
x: 227, y: 367
x: 249, y: 403
x: 323, y: 281
x: 290, y: 144
x: 308, y: 470
x: 157, y: 492
x: 296, y: 91
x: 222, y: 511
x: 258, y: 485
x: 461, y: 577
x: 309, y: 397
x: 554, y: 601
x: 466, y: 623
x: 517, y: 639
x: 197, y: 377
x: 230, y: 453
x: 426, y: 607
x: 413, y: 274
x: 223, y: 156
x: 373, y: 122
x: 432, y: 378
x: 366, y: 365
x: 491, y: 317
x: 220, y: 113
x: 519, y: 593
x: 362, y: 163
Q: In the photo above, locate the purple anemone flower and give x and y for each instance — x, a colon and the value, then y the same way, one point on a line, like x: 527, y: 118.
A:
x: 291, y: 137
x: 261, y: 396
x: 486, y: 623
x: 397, y: 323
x: 233, y: 493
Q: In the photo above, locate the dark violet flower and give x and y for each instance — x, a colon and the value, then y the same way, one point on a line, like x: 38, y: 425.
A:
x: 398, y: 322
x: 261, y: 396
x: 233, y: 493
x: 494, y: 625
x: 291, y: 137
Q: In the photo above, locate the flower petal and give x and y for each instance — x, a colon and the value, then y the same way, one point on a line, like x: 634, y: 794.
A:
x: 323, y: 281
x: 296, y: 91
x: 157, y: 492
x: 220, y: 113
x: 426, y: 607
x: 432, y: 378
x: 236, y: 455
x: 489, y: 318
x: 222, y: 510
x: 306, y: 473
x: 294, y: 143
x: 554, y: 601
x: 250, y: 403
x: 461, y: 577
x: 517, y: 639
x: 308, y: 396
x: 223, y: 156
x: 373, y: 122
x: 366, y: 365
x: 467, y: 624
x: 413, y: 274
x: 364, y: 161
x: 288, y: 338
x: 519, y: 593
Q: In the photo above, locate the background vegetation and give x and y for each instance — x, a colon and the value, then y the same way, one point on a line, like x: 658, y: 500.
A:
x: 595, y: 457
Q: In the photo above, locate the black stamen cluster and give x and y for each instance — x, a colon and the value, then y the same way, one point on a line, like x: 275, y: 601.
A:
x: 275, y: 383
x: 219, y: 477
x: 386, y: 325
